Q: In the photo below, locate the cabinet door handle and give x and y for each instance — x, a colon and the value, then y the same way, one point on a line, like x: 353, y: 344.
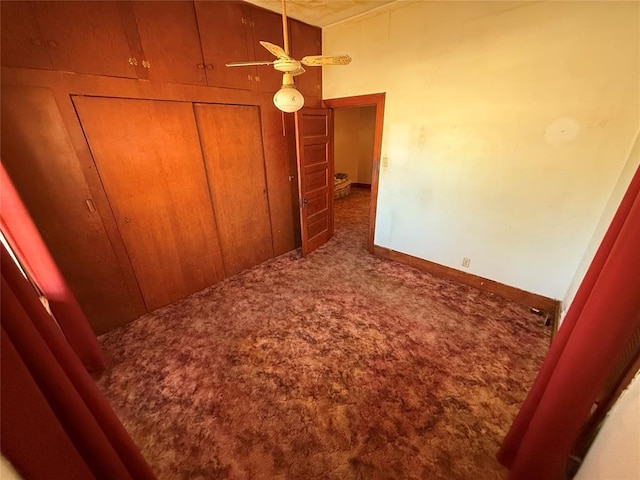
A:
x: 200, y: 66
x: 127, y: 220
x: 90, y: 205
x: 146, y: 63
x: 133, y: 61
x: 209, y: 66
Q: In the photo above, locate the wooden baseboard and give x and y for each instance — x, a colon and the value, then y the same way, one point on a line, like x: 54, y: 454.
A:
x: 547, y: 305
x: 361, y: 185
x: 555, y: 323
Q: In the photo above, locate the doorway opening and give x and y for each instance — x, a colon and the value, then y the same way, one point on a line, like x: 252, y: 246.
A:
x: 358, y: 143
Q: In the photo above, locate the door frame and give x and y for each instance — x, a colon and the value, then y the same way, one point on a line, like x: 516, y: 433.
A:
x: 371, y: 100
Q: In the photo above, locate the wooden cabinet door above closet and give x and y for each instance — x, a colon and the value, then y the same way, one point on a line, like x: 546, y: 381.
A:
x: 225, y: 37
x: 85, y: 37
x: 307, y: 40
x: 169, y: 36
x: 22, y: 44
x: 266, y: 26
x: 149, y: 158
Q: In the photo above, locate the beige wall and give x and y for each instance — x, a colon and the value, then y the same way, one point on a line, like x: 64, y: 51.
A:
x: 614, y: 454
x: 354, y: 130
x: 610, y: 209
x: 507, y: 126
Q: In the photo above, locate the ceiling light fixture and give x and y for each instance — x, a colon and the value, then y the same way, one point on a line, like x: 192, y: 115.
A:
x: 288, y: 98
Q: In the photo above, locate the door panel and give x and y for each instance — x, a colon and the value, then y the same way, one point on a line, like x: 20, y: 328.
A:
x: 22, y: 45
x: 85, y: 37
x: 314, y: 135
x: 267, y: 26
x: 232, y: 147
x: 307, y: 40
x: 225, y: 38
x: 149, y: 159
x: 42, y: 163
x: 169, y: 36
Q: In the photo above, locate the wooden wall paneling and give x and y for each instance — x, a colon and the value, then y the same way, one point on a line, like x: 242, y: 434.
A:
x: 98, y: 85
x: 149, y: 159
x: 39, y: 157
x: 307, y: 40
x: 267, y: 26
x: 232, y: 147
x: 85, y: 37
x: 281, y: 170
x: 22, y: 44
x: 169, y: 35
x: 224, y: 36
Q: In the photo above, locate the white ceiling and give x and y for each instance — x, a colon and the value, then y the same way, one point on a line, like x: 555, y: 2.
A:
x: 321, y: 12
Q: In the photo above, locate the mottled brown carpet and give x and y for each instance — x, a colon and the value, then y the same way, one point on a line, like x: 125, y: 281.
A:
x: 338, y: 365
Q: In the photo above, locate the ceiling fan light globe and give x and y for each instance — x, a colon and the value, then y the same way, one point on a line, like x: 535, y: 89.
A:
x: 288, y: 99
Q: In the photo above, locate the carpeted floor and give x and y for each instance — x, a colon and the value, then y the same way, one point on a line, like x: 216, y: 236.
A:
x: 338, y: 365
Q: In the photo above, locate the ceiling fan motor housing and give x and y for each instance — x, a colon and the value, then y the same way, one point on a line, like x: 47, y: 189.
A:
x: 286, y: 65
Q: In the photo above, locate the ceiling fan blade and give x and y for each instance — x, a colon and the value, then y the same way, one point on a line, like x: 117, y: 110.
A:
x: 298, y: 71
x: 319, y: 60
x: 247, y: 64
x: 275, y: 50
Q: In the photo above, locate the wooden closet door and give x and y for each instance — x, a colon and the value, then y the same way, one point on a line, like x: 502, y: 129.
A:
x: 42, y: 163
x: 232, y: 146
x: 281, y: 169
x: 149, y: 159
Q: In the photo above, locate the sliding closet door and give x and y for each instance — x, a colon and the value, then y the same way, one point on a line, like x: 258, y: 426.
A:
x: 148, y: 156
x: 231, y: 141
x: 39, y: 156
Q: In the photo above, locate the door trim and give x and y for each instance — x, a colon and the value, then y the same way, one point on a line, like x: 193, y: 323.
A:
x: 376, y: 100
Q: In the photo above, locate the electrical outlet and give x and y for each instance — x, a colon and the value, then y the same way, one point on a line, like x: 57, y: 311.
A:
x: 385, y: 161
x: 465, y: 262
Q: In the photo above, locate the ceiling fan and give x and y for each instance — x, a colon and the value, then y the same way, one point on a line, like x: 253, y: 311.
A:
x: 288, y: 98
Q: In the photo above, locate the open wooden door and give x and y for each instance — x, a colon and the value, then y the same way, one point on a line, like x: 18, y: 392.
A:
x: 314, y: 146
